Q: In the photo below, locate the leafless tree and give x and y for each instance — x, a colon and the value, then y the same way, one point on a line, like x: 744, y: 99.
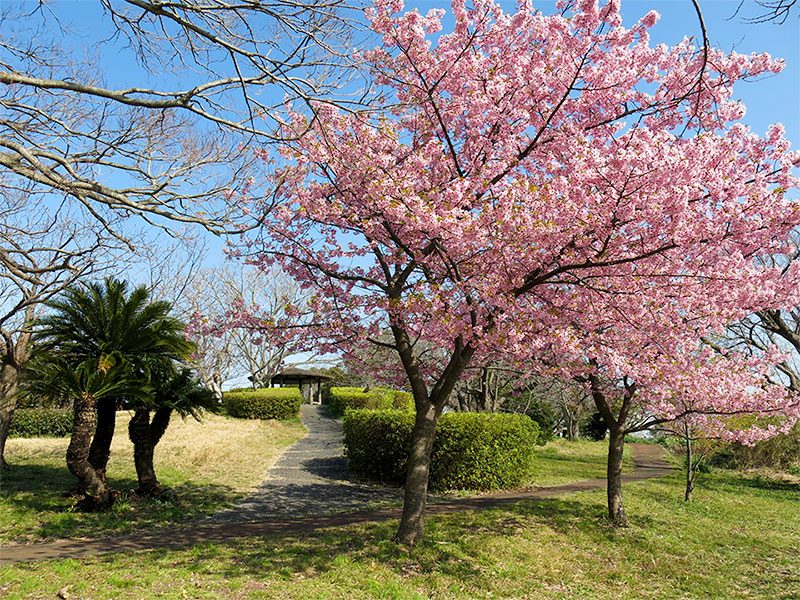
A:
x: 43, y: 249
x: 570, y: 400
x: 151, y: 110
x: 776, y: 11
x: 776, y: 327
x: 246, y: 297
x: 211, y: 78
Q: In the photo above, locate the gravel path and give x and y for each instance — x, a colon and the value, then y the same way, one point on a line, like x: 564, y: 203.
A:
x: 311, y: 478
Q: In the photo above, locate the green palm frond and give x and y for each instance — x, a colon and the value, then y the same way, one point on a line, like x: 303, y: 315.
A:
x: 54, y: 376
x: 101, y: 332
x: 184, y: 394
x: 102, y: 319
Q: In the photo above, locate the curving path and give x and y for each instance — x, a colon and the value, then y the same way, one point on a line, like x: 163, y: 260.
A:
x: 311, y: 479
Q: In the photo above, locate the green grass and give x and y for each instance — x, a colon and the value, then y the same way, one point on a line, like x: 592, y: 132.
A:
x: 562, y: 461
x: 738, y: 540
x: 207, y: 466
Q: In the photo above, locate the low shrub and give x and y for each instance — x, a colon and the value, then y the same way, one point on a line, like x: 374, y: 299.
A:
x: 403, y: 401
x: 41, y: 422
x: 342, y: 398
x: 475, y: 451
x: 378, y: 442
x: 265, y: 403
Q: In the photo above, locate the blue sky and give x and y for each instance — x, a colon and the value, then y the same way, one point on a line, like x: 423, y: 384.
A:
x: 772, y: 99
x: 775, y: 98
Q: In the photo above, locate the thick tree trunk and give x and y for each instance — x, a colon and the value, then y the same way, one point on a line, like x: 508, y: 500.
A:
x: 416, y: 489
x: 145, y: 435
x: 98, y: 494
x: 428, y: 407
x: 616, y: 445
x: 9, y: 377
x: 13, y: 359
x: 100, y: 450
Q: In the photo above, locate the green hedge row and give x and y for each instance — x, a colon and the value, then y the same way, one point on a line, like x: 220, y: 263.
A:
x: 342, y: 398
x: 472, y: 451
x: 265, y: 403
x: 41, y: 422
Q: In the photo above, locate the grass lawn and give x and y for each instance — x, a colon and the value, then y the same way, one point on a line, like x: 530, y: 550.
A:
x: 562, y: 461
x: 739, y: 539
x: 208, y: 465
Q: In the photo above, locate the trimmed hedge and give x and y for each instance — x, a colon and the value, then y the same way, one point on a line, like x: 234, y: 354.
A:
x: 342, y: 398
x: 472, y: 451
x: 41, y: 422
x: 265, y: 403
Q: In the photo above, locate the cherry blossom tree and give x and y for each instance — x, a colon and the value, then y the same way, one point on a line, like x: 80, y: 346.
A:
x: 664, y: 378
x: 532, y: 179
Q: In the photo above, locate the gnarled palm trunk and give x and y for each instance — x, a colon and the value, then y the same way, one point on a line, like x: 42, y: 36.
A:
x: 100, y: 449
x: 145, y: 435
x: 98, y: 495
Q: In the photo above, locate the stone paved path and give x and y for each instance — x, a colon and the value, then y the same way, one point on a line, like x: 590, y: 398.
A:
x: 310, y: 478
x: 311, y: 475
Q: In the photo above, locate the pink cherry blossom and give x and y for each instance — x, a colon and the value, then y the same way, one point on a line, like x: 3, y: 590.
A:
x: 548, y: 189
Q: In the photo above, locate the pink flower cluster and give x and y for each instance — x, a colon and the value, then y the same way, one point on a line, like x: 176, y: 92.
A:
x: 547, y: 189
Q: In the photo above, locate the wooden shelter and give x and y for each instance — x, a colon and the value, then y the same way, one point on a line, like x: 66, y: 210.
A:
x: 309, y: 382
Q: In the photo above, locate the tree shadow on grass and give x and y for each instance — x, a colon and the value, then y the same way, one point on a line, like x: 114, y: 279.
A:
x: 452, y: 545
x: 37, y: 505
x: 727, y: 479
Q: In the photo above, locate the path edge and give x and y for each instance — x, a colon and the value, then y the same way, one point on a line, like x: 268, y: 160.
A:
x: 648, y: 459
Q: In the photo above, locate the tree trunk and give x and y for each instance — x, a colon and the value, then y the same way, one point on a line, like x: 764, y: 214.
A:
x: 13, y: 358
x: 100, y: 450
x: 484, y: 398
x: 98, y: 495
x: 616, y: 444
x: 215, y: 385
x: 145, y: 435
x: 572, y: 424
x: 419, y: 463
x: 9, y: 376
x: 689, y: 469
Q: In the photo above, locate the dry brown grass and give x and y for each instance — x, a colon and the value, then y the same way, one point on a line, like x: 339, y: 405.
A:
x: 207, y: 465
x: 233, y: 452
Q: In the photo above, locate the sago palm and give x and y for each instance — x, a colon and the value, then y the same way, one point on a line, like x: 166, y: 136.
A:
x: 172, y: 392
x: 86, y: 385
x: 102, y: 323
